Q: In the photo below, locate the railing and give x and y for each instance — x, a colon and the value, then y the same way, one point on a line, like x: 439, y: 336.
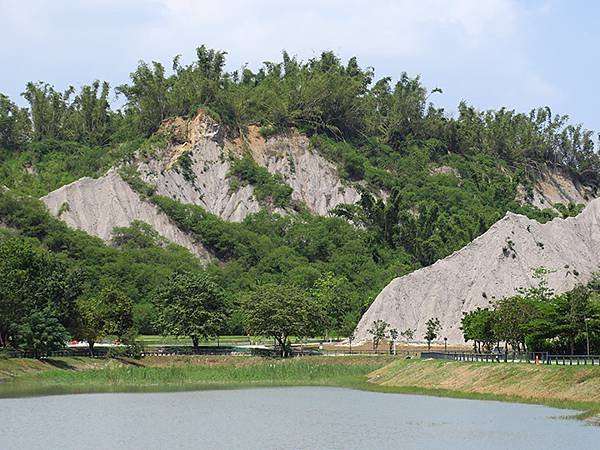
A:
x: 208, y: 351
x: 380, y: 352
x: 516, y: 357
x: 99, y: 352
x: 574, y: 360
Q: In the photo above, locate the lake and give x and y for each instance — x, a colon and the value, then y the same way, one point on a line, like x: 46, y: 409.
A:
x: 284, y: 418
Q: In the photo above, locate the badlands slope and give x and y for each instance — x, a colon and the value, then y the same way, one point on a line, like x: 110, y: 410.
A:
x: 98, y: 205
x: 491, y: 267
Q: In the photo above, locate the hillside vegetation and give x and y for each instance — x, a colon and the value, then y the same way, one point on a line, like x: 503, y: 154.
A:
x: 430, y: 183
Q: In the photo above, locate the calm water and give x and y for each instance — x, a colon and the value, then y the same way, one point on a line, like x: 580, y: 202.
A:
x: 283, y: 418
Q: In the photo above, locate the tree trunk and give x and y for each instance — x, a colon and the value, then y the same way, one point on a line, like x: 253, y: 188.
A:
x: 280, y: 340
x: 572, y: 345
x: 195, y: 343
x: 91, y: 347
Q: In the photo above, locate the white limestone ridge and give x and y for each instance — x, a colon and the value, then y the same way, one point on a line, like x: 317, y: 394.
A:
x: 314, y: 180
x: 98, y: 205
x: 492, y: 266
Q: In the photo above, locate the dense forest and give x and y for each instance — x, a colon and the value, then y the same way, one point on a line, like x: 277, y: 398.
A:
x: 383, y: 135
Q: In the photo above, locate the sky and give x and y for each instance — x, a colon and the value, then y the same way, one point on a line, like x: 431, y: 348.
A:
x: 490, y: 53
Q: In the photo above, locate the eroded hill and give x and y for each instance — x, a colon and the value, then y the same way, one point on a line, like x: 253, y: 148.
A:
x: 491, y: 267
x: 194, y: 165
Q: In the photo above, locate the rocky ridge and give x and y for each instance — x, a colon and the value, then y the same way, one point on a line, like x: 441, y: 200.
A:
x: 193, y: 168
x: 200, y: 142
x: 492, y: 266
x: 99, y: 205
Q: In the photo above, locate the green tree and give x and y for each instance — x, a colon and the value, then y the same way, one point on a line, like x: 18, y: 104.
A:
x: 90, y: 321
x: 32, y: 280
x: 118, y: 312
x: 15, y: 126
x: 91, y: 120
x: 513, y: 316
x: 478, y: 326
x: 147, y: 96
x: 433, y: 328
x: 378, y: 332
x: 40, y: 333
x: 49, y: 109
x: 330, y: 292
x: 281, y: 311
x: 108, y: 313
x: 572, y: 310
x: 408, y: 334
x: 190, y: 304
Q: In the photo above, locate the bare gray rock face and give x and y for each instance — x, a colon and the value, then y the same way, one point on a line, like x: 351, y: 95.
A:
x: 314, y: 180
x: 491, y: 267
x: 99, y: 205
x: 205, y: 181
x: 556, y: 187
x: 193, y: 168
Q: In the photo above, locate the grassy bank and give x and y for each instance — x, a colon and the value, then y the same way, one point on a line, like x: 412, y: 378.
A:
x: 576, y: 387
x: 70, y: 375
x: 573, y: 387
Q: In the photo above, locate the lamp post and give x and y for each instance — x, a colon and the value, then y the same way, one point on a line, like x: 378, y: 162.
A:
x: 587, y: 335
x: 445, y: 344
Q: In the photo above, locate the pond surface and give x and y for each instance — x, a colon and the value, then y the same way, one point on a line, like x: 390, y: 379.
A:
x: 284, y: 418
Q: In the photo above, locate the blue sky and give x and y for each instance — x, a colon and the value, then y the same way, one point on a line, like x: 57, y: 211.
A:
x: 491, y: 53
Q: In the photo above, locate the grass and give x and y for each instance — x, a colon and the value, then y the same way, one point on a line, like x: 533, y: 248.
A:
x: 188, y: 373
x: 571, y: 387
x: 576, y: 388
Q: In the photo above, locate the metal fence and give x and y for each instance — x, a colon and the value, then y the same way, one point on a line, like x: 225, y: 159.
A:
x: 515, y: 357
x: 103, y: 352
x: 207, y: 351
x: 99, y: 352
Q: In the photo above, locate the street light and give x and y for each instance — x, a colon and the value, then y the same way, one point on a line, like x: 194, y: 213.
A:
x: 587, y: 335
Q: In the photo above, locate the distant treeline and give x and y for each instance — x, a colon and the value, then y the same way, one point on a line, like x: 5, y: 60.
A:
x: 320, y: 96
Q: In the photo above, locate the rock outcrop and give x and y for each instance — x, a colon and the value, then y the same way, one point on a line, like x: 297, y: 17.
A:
x: 491, y: 267
x: 201, y: 147
x: 553, y: 186
x: 314, y: 180
x: 99, y: 205
x: 193, y: 167
x: 204, y: 182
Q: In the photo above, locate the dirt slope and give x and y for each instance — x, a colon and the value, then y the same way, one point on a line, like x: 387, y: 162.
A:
x: 492, y: 266
x: 99, y: 205
x: 201, y: 144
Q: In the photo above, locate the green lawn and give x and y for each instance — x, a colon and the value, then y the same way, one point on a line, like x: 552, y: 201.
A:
x: 71, y: 375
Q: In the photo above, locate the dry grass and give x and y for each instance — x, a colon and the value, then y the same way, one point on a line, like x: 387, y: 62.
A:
x: 529, y: 382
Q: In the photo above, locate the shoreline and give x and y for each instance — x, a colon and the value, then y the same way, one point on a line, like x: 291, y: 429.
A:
x: 64, y: 376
